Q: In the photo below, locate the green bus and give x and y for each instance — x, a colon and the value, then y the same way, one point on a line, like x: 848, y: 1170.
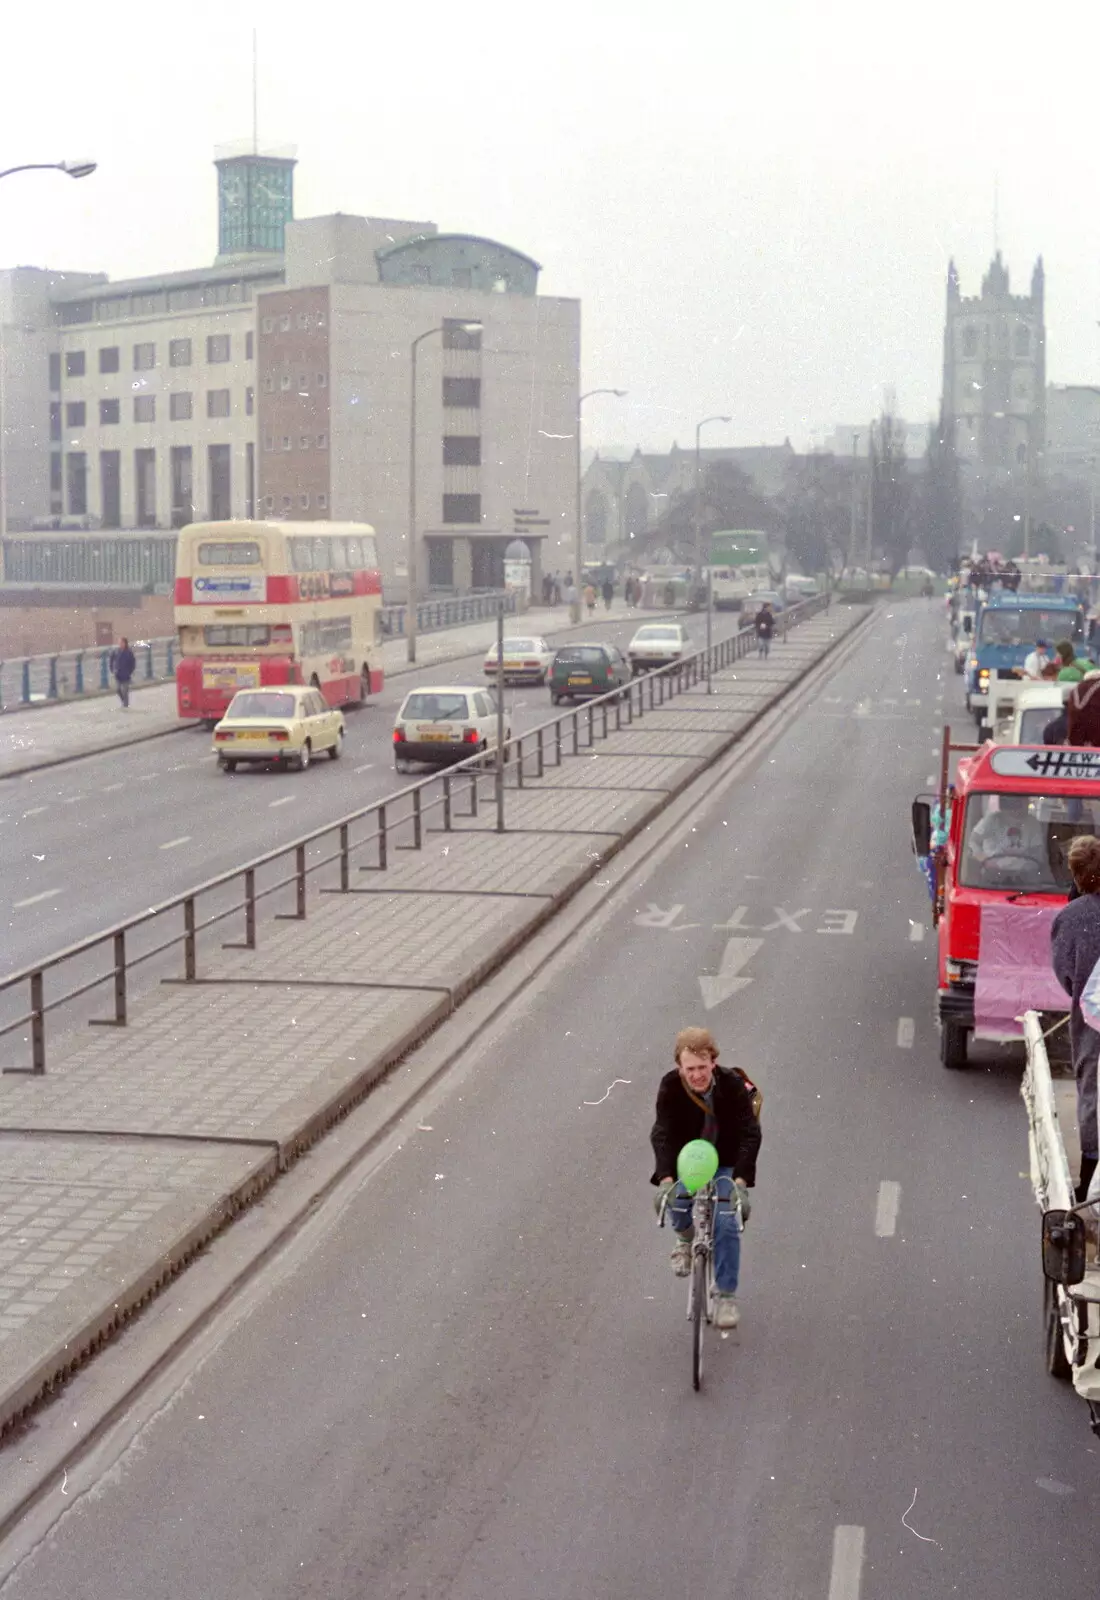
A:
x: 741, y: 563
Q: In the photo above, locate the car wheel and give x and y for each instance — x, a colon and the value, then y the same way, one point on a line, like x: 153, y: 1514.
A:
x: 555, y: 699
x: 400, y: 765
x: 337, y: 749
x: 305, y: 756
x: 227, y: 764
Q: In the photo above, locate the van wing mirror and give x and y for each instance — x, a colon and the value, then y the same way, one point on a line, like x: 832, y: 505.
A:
x: 922, y: 827
x: 1063, y: 1247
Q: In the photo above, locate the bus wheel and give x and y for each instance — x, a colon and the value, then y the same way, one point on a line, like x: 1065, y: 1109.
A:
x: 953, y: 1042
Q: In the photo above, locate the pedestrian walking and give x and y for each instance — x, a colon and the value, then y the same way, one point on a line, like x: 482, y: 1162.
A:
x: 590, y: 597
x: 608, y: 592
x: 122, y: 663
x: 1075, y: 951
x: 572, y: 599
x: 764, y: 623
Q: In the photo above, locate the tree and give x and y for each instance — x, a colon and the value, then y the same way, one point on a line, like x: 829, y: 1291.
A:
x: 727, y: 499
x: 939, y: 499
x: 892, y: 498
x: 816, y: 508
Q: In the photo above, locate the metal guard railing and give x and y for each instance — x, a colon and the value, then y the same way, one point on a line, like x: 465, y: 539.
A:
x: 71, y: 674
x: 569, y: 734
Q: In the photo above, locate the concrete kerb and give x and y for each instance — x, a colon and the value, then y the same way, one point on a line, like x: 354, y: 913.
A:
x: 39, y: 1380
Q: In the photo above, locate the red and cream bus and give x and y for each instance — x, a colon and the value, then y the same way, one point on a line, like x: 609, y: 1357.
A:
x: 276, y: 602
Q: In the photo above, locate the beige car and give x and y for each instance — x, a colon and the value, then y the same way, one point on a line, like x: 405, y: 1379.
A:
x: 286, y: 726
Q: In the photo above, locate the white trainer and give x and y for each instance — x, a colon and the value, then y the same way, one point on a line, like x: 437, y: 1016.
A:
x: 681, y: 1258
x: 726, y: 1314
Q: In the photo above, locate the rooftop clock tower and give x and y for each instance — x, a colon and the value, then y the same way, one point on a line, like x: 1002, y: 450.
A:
x: 255, y: 202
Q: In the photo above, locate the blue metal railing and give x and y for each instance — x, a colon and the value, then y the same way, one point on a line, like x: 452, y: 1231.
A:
x: 70, y: 674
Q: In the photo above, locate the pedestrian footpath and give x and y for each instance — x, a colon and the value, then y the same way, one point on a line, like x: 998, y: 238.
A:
x: 139, y: 1143
x: 48, y: 735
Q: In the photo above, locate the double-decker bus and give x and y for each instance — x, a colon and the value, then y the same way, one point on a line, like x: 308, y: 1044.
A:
x: 276, y: 602
x: 741, y: 563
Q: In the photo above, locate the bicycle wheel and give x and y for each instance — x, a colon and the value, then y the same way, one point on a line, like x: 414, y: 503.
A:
x: 698, y: 1316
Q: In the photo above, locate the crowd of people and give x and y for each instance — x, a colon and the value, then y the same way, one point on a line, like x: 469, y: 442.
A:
x: 562, y: 590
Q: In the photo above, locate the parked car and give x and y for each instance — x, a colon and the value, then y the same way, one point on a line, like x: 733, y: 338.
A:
x: 526, y: 660
x: 582, y: 671
x: 657, y: 644
x: 444, y: 723
x: 287, y: 726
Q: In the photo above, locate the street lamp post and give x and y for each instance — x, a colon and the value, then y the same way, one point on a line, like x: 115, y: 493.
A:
x: 578, y: 538
x: 853, y: 533
x: 73, y: 169
x: 699, y: 426
x: 412, y: 599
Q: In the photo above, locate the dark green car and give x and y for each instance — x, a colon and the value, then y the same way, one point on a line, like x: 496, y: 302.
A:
x: 582, y: 671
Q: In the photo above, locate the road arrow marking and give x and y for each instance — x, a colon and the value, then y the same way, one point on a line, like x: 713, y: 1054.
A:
x: 737, y: 954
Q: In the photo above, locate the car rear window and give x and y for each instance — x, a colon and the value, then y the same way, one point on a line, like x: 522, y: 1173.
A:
x: 589, y: 655
x: 435, y: 708
x: 520, y: 647
x: 257, y: 704
x: 658, y: 633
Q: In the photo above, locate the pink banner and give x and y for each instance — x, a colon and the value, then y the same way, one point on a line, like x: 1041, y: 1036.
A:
x: 1014, y: 970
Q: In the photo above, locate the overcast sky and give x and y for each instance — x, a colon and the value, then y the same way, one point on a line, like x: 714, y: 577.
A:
x: 756, y: 203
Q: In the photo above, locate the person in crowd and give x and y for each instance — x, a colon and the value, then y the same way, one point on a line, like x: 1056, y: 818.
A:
x: 764, y: 625
x: 1075, y: 950
x: 122, y: 664
x: 1035, y: 661
x: 1072, y: 667
x: 1083, y: 711
x: 608, y: 591
x: 590, y: 597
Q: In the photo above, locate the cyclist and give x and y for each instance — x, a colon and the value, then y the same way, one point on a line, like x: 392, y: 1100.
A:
x: 701, y: 1100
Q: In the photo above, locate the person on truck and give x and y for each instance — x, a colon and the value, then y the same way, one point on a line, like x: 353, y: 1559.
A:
x: 1035, y: 661
x: 1083, y: 711
x: 1009, y: 840
x: 1072, y: 667
x: 1074, y: 952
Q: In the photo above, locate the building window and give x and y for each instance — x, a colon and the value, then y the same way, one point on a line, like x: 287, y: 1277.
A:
x: 183, y: 507
x: 462, y: 508
x: 284, y: 381
x: 460, y: 335
x: 269, y: 386
x: 321, y: 441
x: 462, y: 277
x: 320, y: 319
x: 145, y: 488
x: 217, y: 347
x: 145, y: 357
x: 179, y: 352
x: 55, y: 373
x: 303, y: 320
x: 284, y: 322
x: 55, y: 421
x: 462, y: 392
x: 217, y: 402
x: 322, y: 501
x: 76, y: 481
x: 108, y: 412
x: 269, y: 499
x: 1023, y: 341
x: 286, y: 441
x: 287, y: 502
x: 461, y: 450
x: 269, y: 441
x: 303, y: 441
x: 218, y: 472
x: 248, y: 341
x: 108, y: 358
x: 303, y: 383
x: 74, y: 364
x: 249, y: 401
x: 55, y: 473
x: 970, y: 343
x: 322, y: 380
x: 180, y: 407
x: 145, y: 408
x: 303, y: 501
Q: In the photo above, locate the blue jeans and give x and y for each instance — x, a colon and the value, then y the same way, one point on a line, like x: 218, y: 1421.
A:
x: 727, y: 1229
x: 763, y: 645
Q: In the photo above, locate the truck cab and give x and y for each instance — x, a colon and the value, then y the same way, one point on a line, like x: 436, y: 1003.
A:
x: 1006, y: 631
x: 1008, y: 820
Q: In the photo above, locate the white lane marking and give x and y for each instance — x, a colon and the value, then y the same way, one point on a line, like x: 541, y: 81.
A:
x: 35, y: 811
x: 72, y: 799
x: 32, y: 900
x: 284, y: 801
x: 846, y: 1573
x: 886, y: 1209
x: 930, y: 780
x: 367, y: 765
x: 173, y: 843
x: 906, y: 1029
x: 916, y: 932
x: 111, y: 787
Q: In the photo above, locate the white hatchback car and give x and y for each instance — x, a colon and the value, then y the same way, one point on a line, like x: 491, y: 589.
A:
x: 444, y: 723
x: 657, y: 644
x: 526, y: 660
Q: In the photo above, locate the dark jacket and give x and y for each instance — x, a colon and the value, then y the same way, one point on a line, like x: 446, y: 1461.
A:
x: 1083, y: 713
x: 1075, y: 943
x: 123, y: 664
x: 679, y: 1120
x: 764, y: 623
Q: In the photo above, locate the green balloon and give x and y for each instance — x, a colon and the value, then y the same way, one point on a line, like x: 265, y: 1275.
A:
x: 696, y: 1164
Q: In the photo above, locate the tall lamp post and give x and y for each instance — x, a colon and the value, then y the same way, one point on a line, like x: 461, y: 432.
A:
x: 578, y: 539
x: 412, y: 600
x: 699, y: 426
x: 73, y: 169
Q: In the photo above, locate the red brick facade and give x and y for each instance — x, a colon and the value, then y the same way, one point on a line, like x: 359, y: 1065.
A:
x: 292, y: 404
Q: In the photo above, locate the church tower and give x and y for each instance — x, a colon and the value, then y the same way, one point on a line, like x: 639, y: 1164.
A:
x: 994, y: 373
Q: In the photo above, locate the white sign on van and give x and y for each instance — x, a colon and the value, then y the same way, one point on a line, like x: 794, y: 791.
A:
x: 1017, y: 761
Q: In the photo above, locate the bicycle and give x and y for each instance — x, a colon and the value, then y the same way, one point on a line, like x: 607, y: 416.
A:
x: 701, y: 1291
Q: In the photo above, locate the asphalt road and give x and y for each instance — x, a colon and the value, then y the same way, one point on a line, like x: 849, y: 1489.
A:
x: 478, y: 1383
x: 95, y: 841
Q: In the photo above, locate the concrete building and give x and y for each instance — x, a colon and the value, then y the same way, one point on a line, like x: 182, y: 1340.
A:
x: 1073, y: 430
x: 994, y: 373
x: 277, y: 382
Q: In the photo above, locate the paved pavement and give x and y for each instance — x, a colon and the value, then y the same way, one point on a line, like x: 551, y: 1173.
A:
x: 46, y: 735
x: 476, y: 1381
x: 138, y: 1143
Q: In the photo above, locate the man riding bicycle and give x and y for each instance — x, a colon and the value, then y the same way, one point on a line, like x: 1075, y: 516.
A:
x: 701, y: 1100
